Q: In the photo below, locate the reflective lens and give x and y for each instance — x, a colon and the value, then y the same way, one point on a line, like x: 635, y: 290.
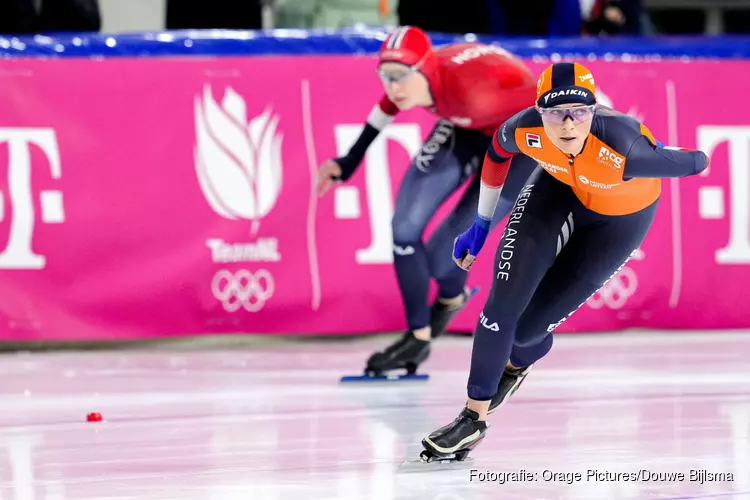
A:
x: 558, y: 115
x: 398, y: 76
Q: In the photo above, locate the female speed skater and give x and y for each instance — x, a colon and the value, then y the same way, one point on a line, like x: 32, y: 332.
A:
x: 472, y: 89
x: 586, y: 208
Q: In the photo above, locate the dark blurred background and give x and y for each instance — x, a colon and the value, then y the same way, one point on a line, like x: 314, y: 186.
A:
x: 541, y: 18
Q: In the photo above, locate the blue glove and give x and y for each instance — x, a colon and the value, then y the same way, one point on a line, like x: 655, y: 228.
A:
x: 471, y: 241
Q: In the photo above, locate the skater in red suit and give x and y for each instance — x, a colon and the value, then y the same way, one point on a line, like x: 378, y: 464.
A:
x: 472, y: 89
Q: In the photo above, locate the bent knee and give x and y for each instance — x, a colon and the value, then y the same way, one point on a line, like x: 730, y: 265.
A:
x: 530, y: 333
x: 406, y: 230
x: 440, y: 258
x: 528, y: 340
x: 532, y: 329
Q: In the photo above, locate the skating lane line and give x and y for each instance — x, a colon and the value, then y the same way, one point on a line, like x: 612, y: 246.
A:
x: 674, y: 192
x: 312, y: 159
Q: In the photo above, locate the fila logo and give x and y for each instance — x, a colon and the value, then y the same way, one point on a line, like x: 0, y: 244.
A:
x: 483, y: 320
x: 533, y: 140
x: 606, y: 154
x: 403, y: 251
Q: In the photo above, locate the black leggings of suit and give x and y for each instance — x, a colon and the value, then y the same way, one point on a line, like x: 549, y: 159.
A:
x: 446, y: 162
x: 554, y: 255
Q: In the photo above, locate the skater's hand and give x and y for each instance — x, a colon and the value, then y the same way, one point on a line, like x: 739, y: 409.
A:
x: 329, y: 172
x: 467, y: 246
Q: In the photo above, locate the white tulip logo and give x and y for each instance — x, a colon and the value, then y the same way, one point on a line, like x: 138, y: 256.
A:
x: 238, y: 162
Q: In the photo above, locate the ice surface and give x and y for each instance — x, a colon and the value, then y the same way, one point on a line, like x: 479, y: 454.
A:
x: 273, y: 422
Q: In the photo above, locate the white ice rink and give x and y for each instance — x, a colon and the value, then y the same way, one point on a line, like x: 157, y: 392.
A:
x: 273, y: 422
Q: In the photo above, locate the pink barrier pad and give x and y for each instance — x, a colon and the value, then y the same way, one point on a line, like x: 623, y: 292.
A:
x: 153, y: 197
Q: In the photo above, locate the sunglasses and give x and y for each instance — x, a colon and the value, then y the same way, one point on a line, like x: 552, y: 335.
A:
x: 397, y: 76
x: 558, y: 115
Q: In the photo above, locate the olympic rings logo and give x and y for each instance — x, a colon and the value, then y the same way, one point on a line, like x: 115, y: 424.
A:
x: 243, y: 289
x: 616, y: 292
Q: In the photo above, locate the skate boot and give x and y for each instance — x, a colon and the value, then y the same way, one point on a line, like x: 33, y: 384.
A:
x: 406, y: 353
x: 441, y: 314
x: 454, y: 441
x: 509, y: 384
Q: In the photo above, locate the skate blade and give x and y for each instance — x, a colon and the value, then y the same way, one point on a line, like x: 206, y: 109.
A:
x: 419, y: 465
x: 417, y: 377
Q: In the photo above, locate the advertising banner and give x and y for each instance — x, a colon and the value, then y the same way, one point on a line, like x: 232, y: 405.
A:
x: 176, y: 196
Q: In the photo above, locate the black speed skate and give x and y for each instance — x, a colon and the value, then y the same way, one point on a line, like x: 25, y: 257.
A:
x: 509, y: 384
x: 453, y: 442
x: 406, y: 353
x: 441, y: 314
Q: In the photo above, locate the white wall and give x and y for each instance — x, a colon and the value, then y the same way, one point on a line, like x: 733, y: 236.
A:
x: 132, y: 15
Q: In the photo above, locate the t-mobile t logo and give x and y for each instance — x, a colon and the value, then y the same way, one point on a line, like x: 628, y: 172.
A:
x: 18, y: 252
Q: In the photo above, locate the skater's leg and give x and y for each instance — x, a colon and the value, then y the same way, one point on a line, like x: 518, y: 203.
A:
x: 521, y: 357
x: 452, y: 279
x: 595, y: 253
x: 452, y: 291
x: 595, y: 248
x: 526, y: 252
x: 431, y: 178
x: 435, y: 173
x: 521, y: 361
x: 455, y: 161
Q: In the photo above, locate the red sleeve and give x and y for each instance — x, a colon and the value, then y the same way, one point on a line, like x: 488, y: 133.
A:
x: 496, y: 164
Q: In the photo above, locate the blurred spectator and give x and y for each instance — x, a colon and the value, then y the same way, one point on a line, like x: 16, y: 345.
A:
x: 502, y: 17
x: 214, y: 14
x: 446, y: 16
x: 736, y: 21
x: 24, y: 17
x: 538, y: 18
x: 612, y: 17
x: 334, y: 13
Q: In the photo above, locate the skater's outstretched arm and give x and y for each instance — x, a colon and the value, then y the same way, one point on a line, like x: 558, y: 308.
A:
x: 649, y: 159
x: 343, y: 167
x: 643, y: 155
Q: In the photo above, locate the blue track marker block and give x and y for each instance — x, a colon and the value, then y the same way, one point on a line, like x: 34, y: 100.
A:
x: 385, y: 378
